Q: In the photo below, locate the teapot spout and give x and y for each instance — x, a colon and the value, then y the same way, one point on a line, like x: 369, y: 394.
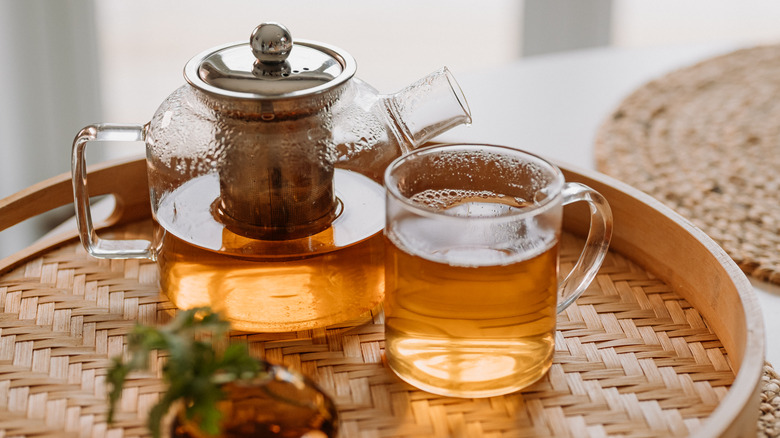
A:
x: 370, y: 130
x: 427, y: 108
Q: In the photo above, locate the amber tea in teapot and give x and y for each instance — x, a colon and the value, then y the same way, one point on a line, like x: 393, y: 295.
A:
x: 283, y: 278
x: 264, y: 178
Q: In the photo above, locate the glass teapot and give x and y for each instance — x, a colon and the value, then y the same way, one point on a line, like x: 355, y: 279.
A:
x: 264, y: 176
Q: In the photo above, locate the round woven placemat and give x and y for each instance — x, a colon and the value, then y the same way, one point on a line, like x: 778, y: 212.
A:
x: 706, y: 141
x: 632, y: 358
x: 769, y: 421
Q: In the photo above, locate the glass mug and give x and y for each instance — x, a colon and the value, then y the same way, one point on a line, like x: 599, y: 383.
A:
x: 471, y: 276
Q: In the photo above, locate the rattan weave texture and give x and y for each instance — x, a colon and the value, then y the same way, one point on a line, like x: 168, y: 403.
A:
x: 705, y: 140
x: 632, y: 359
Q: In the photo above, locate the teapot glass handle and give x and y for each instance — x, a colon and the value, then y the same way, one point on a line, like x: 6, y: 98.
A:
x: 596, y: 244
x: 95, y: 246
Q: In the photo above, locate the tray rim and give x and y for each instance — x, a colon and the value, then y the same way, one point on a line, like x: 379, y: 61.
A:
x: 744, y: 393
x: 126, y: 180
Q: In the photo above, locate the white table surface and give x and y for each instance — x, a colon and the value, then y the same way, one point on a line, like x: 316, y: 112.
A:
x: 552, y: 105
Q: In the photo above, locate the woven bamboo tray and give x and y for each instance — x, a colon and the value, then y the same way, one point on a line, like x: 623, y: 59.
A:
x: 668, y: 340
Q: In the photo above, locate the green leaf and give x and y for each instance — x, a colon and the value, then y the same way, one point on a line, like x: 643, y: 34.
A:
x: 200, y: 359
x: 116, y: 377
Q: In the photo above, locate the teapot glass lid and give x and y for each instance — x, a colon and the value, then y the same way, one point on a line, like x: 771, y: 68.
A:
x: 270, y: 67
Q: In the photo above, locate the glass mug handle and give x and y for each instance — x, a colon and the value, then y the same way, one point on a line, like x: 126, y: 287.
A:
x: 95, y: 246
x: 596, y: 244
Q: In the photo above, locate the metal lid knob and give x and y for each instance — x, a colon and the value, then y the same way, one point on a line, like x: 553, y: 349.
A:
x: 270, y: 67
x: 271, y: 43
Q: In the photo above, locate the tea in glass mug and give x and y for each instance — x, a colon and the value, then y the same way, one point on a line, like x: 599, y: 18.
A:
x: 471, y: 275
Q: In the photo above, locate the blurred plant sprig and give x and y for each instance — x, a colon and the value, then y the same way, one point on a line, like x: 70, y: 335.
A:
x: 200, y: 359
